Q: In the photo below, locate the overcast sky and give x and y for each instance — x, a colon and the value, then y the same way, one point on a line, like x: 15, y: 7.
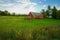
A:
x: 25, y: 6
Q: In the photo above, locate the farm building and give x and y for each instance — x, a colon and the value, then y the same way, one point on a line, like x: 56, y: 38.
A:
x: 35, y: 15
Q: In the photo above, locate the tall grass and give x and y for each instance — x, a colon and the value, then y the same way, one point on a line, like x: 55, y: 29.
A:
x: 43, y: 33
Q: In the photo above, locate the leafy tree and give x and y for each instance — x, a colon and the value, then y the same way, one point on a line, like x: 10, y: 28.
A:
x: 9, y: 14
x: 58, y: 14
x: 0, y: 12
x: 43, y: 12
x: 48, y: 11
x: 54, y: 12
x: 49, y: 8
x: 4, y: 13
x: 13, y: 14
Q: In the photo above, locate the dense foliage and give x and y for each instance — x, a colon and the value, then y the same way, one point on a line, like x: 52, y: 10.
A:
x: 51, y: 12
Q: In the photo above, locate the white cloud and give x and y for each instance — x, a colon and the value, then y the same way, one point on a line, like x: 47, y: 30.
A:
x: 58, y: 8
x: 21, y: 9
x: 22, y: 1
x: 1, y: 1
x: 6, y: 5
x: 25, y: 7
x: 44, y: 6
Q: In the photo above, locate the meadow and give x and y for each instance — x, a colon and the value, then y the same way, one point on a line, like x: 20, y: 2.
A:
x: 21, y: 28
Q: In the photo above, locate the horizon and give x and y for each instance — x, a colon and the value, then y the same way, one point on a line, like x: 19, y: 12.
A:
x: 26, y: 6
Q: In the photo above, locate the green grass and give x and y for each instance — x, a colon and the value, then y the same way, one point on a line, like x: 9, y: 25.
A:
x: 19, y: 22
x: 20, y: 28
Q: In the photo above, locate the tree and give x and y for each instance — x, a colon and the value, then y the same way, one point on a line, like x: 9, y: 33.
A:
x: 13, y: 14
x: 58, y: 14
x: 43, y: 12
x: 54, y: 12
x: 49, y: 8
x: 2, y: 13
x: 48, y: 12
x: 6, y: 12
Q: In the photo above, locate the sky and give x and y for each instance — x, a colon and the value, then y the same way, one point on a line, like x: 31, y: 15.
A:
x: 26, y: 6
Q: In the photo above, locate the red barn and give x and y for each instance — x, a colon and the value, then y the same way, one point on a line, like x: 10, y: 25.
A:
x: 35, y: 15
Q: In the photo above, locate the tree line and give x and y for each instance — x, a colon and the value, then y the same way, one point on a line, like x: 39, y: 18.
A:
x: 49, y: 13
x: 6, y: 13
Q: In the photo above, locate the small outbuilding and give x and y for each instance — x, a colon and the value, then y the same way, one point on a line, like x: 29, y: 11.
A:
x: 35, y: 15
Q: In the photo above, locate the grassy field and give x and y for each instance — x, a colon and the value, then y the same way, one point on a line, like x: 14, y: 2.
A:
x: 20, y: 23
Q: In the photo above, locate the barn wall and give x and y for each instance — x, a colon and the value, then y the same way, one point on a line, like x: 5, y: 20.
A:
x: 34, y: 16
x: 41, y: 17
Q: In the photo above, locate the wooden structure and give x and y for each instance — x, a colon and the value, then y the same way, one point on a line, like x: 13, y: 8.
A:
x: 35, y: 15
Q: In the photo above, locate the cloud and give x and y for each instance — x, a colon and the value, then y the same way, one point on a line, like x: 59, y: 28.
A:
x: 1, y: 1
x: 44, y: 7
x: 6, y: 5
x: 23, y: 7
x: 58, y: 8
x: 22, y: 1
x: 5, y: 1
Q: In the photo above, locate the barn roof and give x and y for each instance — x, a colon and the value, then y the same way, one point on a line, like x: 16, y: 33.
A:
x: 36, y: 14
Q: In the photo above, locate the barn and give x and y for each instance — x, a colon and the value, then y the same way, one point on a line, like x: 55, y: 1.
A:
x: 35, y: 15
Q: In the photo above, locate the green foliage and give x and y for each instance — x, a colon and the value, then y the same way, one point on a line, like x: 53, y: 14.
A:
x: 58, y: 14
x: 47, y: 12
x: 4, y: 13
x: 49, y: 8
x: 13, y: 14
x: 43, y: 12
x: 54, y: 12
